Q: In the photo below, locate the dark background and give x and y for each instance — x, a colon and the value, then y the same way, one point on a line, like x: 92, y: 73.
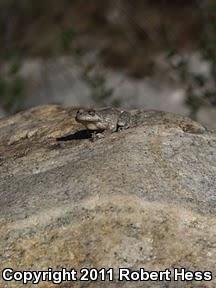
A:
x: 45, y: 44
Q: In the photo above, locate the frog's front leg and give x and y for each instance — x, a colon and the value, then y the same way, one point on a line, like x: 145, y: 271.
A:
x: 99, y: 134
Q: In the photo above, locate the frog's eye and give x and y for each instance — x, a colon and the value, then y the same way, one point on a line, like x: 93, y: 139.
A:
x: 91, y: 112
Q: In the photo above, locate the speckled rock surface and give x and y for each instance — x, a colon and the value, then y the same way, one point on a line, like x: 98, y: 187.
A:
x: 143, y: 197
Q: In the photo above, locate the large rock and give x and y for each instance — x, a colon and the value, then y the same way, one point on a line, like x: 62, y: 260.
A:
x: 141, y: 198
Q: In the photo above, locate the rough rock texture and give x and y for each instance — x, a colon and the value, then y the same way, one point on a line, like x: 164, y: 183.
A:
x: 143, y: 197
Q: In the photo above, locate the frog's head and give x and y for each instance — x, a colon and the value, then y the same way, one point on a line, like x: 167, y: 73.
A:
x: 89, y: 118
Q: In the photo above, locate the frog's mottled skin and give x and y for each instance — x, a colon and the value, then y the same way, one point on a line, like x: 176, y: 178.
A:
x: 106, y: 119
x: 112, y: 119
